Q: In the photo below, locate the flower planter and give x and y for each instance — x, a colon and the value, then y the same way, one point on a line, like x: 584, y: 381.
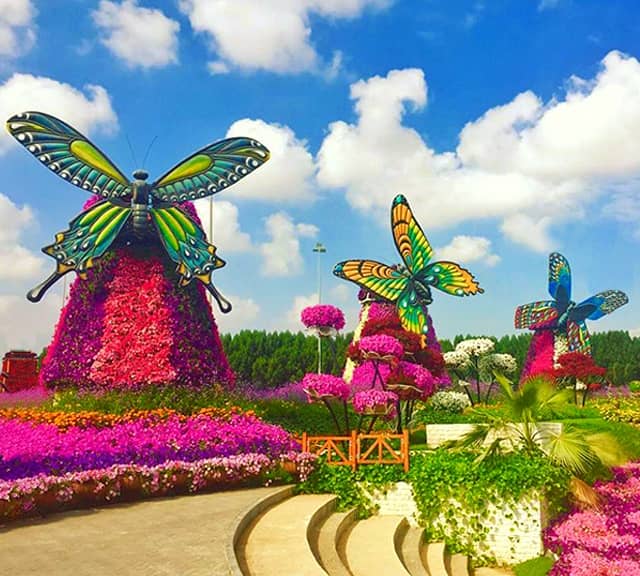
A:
x: 438, y: 434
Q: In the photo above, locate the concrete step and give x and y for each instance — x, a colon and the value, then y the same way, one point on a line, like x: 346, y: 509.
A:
x: 330, y: 542
x: 457, y: 564
x: 370, y: 547
x: 410, y: 551
x: 277, y: 541
x: 432, y: 556
x: 485, y: 571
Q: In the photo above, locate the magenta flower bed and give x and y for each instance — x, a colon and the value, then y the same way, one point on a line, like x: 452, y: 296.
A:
x: 29, y: 449
x: 603, y: 542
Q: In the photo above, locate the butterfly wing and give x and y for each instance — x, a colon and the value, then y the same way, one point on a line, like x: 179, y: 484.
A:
x: 536, y: 315
x: 186, y: 244
x: 211, y: 169
x: 599, y: 305
x: 381, y: 279
x: 89, y: 236
x: 451, y: 278
x: 68, y: 153
x: 412, y: 313
x: 578, y: 337
x: 410, y: 240
x: 559, y: 280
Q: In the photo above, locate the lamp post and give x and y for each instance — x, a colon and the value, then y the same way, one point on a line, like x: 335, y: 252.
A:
x: 319, y: 249
x: 210, y: 241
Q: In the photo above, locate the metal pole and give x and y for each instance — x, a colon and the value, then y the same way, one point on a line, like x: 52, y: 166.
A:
x: 319, y: 249
x: 210, y: 239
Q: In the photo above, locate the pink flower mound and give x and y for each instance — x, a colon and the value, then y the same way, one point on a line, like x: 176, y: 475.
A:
x: 540, y: 355
x: 382, y: 344
x: 420, y: 375
x: 323, y: 315
x: 137, y: 336
x: 367, y: 400
x: 325, y: 385
x: 131, y: 324
x: 364, y: 374
x: 604, y: 542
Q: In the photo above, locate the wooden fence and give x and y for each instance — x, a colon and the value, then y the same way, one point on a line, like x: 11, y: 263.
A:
x: 358, y: 449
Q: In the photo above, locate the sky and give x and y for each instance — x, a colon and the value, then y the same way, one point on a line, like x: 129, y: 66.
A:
x: 511, y: 126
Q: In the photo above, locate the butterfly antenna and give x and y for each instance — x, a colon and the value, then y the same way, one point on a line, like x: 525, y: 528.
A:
x: 149, y: 150
x: 133, y: 154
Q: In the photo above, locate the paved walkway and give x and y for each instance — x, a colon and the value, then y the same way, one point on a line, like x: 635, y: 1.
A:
x: 182, y: 536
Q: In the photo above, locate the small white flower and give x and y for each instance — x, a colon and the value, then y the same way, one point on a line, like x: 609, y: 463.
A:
x: 456, y: 359
x: 475, y: 346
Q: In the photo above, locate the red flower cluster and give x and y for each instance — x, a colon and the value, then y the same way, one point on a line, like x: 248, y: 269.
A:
x: 579, y: 366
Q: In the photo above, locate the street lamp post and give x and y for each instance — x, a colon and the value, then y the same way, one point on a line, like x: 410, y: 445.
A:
x: 319, y: 249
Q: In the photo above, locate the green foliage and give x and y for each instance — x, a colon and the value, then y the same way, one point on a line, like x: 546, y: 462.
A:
x: 634, y: 386
x: 350, y: 486
x: 539, y: 566
x: 292, y: 416
x: 272, y: 359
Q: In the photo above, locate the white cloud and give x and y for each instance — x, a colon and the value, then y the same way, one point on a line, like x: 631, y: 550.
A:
x: 24, y: 325
x: 281, y: 253
x: 17, y: 34
x: 527, y: 164
x: 227, y: 235
x: 463, y: 249
x: 243, y: 316
x: 288, y: 175
x: 85, y: 111
x: 259, y: 35
x: 140, y: 36
x: 16, y: 262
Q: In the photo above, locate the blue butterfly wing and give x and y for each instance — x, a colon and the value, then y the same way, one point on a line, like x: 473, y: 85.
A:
x: 559, y: 280
x: 599, y: 305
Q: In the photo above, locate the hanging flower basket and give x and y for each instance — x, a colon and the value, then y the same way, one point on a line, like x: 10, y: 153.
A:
x: 323, y: 318
x: 320, y: 387
x: 374, y: 402
x: 323, y: 331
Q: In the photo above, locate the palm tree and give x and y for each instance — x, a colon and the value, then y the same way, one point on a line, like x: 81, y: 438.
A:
x: 519, y: 430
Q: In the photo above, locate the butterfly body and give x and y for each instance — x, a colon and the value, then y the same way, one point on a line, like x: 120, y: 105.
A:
x: 409, y: 285
x: 134, y: 211
x: 563, y: 315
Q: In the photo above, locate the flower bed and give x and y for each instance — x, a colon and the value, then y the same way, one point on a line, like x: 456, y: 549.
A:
x: 43, y: 494
x: 603, y: 542
x: 30, y: 448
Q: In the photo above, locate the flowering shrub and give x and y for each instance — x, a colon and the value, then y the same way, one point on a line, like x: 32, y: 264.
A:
x: 373, y: 400
x: 323, y: 315
x: 319, y: 385
x: 381, y: 345
x: 449, y: 401
x: 32, y: 396
x: 476, y: 346
x: 457, y: 359
x: 503, y: 363
x: 540, y: 355
x: 580, y: 372
x: 28, y: 448
x: 603, y: 542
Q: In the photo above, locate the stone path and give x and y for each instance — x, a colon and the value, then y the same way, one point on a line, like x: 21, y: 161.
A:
x: 183, y: 536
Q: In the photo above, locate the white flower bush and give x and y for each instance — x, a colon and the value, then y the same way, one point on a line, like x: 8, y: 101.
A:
x: 502, y: 363
x: 457, y: 360
x: 476, y: 346
x: 449, y: 401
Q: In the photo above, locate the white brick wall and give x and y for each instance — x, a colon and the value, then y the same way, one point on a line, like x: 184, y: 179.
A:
x: 438, y: 434
x: 513, y: 533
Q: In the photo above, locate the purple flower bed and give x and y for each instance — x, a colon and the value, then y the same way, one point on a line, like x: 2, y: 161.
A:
x: 604, y: 542
x: 29, y: 449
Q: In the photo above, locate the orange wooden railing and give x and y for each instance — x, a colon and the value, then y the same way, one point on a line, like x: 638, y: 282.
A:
x: 358, y: 449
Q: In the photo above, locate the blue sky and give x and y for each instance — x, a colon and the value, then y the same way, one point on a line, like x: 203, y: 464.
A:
x: 510, y: 125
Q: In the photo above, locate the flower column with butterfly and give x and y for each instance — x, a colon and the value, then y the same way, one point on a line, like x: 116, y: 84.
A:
x: 559, y: 325
x: 401, y: 295
x: 134, y: 316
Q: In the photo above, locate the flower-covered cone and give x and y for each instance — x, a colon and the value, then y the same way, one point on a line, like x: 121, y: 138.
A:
x: 131, y: 324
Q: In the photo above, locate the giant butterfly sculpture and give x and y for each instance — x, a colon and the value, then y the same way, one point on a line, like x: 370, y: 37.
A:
x: 409, y: 285
x: 135, y: 210
x: 563, y: 315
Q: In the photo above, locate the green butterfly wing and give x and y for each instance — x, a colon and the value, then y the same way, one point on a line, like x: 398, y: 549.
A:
x: 450, y: 278
x: 410, y: 240
x: 87, y: 239
x: 412, y: 316
x: 381, y: 279
x: 186, y: 244
x: 211, y: 169
x: 68, y: 153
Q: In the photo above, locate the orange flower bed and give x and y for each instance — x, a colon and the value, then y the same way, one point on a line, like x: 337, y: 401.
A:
x: 94, y: 419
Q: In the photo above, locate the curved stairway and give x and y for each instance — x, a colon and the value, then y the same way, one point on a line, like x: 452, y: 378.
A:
x: 304, y: 536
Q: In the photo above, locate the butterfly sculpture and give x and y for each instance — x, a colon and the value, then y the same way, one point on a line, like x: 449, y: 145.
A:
x: 562, y: 314
x: 136, y: 210
x: 409, y: 285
